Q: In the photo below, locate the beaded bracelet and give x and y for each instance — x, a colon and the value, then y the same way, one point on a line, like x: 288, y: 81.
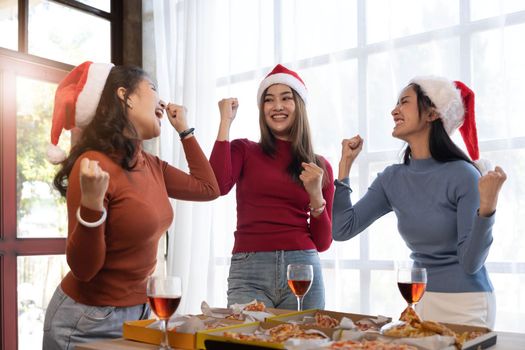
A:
x: 317, y: 210
x: 92, y: 224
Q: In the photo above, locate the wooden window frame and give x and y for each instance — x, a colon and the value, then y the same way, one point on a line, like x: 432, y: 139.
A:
x: 15, y: 64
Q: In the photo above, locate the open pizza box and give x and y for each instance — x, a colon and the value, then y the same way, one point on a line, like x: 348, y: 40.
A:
x: 145, y: 331
x: 344, y: 320
x: 148, y: 331
x: 216, y: 338
x: 483, y: 338
x: 486, y: 340
x: 345, y: 330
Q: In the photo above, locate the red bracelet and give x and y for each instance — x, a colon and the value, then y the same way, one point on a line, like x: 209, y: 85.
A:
x: 317, y: 210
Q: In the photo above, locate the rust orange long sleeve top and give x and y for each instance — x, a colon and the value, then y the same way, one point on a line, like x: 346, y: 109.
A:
x: 110, y: 263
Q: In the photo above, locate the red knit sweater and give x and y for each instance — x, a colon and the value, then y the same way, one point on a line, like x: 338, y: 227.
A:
x: 110, y: 263
x: 272, y: 209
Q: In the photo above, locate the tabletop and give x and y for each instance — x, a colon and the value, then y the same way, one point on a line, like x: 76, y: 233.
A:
x: 506, y: 341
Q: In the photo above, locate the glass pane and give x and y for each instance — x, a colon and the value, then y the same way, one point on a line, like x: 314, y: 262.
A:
x: 342, y: 290
x: 388, y: 72
x: 497, y: 75
x: 311, y: 28
x: 332, y: 96
x: 349, y: 249
x: 38, y: 277
x: 63, y: 34
x: 510, y: 302
x: 385, y: 298
x: 509, y: 228
x: 246, y: 42
x: 104, y: 5
x: 488, y: 8
x: 9, y: 24
x: 246, y: 124
x: 40, y: 210
x: 389, y: 19
x: 385, y: 241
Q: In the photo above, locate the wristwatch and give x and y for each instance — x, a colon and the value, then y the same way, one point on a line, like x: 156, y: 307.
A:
x: 186, y: 132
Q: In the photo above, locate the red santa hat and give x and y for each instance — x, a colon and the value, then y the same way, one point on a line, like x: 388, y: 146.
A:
x: 76, y: 101
x: 454, y: 102
x: 282, y: 75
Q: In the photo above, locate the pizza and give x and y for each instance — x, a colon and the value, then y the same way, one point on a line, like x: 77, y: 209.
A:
x: 255, y: 306
x: 277, y: 334
x: 325, y: 321
x: 414, y: 327
x: 369, y: 345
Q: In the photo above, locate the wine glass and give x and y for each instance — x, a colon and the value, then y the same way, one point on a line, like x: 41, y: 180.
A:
x: 412, y: 282
x: 164, y: 294
x: 300, y: 277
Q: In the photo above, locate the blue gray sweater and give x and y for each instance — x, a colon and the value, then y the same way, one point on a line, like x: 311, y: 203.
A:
x: 436, y: 207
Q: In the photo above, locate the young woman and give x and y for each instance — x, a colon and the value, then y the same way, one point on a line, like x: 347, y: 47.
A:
x: 445, y: 209
x: 117, y: 199
x: 284, y: 195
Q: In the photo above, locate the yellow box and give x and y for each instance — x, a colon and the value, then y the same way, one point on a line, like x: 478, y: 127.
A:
x: 139, y: 331
x: 299, y: 315
x: 217, y: 335
x: 484, y: 341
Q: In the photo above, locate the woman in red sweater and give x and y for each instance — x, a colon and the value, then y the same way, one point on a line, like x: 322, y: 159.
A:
x: 117, y: 198
x: 284, y: 195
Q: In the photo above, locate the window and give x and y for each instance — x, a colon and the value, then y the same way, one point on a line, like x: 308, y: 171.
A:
x: 40, y: 41
x: 354, y: 60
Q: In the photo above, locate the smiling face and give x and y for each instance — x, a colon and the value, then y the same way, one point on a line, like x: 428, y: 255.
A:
x: 409, y: 124
x: 145, y: 109
x: 279, y: 110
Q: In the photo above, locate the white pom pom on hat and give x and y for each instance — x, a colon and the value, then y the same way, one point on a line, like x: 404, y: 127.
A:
x: 454, y: 102
x: 76, y: 101
x: 282, y: 75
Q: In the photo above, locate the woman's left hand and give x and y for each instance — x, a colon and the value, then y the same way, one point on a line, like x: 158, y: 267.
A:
x: 489, y: 186
x: 312, y: 178
x: 177, y: 116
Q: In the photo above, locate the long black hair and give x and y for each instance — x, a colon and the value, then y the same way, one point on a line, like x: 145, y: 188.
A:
x: 442, y: 148
x: 110, y: 131
x: 300, y: 136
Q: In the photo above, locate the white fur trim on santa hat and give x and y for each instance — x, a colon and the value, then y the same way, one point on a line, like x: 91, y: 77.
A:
x: 286, y: 79
x: 447, y: 99
x: 484, y: 165
x: 89, y: 97
x: 55, y: 155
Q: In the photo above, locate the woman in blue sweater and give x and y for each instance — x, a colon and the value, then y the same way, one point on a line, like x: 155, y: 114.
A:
x: 445, y: 208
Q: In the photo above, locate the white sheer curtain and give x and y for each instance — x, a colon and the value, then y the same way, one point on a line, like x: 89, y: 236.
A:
x: 354, y: 56
x: 185, y: 76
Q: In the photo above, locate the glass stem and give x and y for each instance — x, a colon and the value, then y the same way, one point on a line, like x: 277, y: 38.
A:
x: 299, y: 303
x: 165, y: 341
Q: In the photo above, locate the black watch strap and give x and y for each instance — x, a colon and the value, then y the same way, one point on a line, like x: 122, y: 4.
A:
x: 186, y: 132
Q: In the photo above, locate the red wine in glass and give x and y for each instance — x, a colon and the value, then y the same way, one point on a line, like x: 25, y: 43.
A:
x: 299, y: 287
x: 164, y: 306
x: 164, y: 294
x: 300, y: 277
x: 412, y: 292
x: 412, y: 282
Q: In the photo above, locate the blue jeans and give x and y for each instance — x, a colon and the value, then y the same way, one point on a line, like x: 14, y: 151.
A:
x: 69, y: 323
x: 262, y: 276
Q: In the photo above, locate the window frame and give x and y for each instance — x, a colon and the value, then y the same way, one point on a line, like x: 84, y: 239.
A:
x: 464, y: 31
x: 15, y: 64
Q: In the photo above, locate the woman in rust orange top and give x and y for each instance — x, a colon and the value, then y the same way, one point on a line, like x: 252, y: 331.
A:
x: 117, y: 198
